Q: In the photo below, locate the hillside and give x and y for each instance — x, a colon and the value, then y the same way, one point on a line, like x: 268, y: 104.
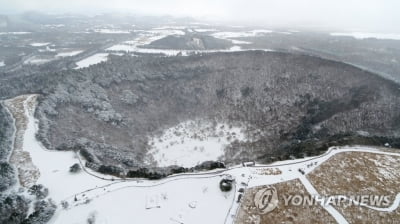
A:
x: 284, y: 104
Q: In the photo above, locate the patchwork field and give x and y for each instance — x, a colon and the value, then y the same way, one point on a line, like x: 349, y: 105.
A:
x: 250, y: 212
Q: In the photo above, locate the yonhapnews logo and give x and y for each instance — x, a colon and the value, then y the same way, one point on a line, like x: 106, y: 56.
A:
x: 266, y: 199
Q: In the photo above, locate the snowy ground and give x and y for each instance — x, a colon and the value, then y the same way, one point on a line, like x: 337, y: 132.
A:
x: 2, y: 63
x: 39, y: 44
x: 35, y: 60
x: 68, y: 53
x: 14, y: 33
x: 201, y: 30
x: 251, y: 33
x: 183, y: 198
x: 232, y: 36
x: 147, y: 37
x: 112, y: 31
x: 193, y: 142
x: 360, y: 35
x: 196, y: 200
x: 144, y: 38
x: 92, y: 60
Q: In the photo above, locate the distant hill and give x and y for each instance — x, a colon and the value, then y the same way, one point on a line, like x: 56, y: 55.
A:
x: 190, y: 41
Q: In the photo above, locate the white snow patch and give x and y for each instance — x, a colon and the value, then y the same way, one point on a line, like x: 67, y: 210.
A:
x: 54, y: 25
x: 92, y: 60
x: 2, y: 63
x: 48, y: 49
x: 37, y: 60
x: 201, y: 30
x: 148, y: 37
x: 360, y: 35
x: 170, y: 28
x: 193, y: 142
x: 68, y: 53
x: 14, y: 33
x: 165, y: 33
x: 251, y: 33
x: 111, y: 31
x: 118, y: 54
x: 240, y: 42
x: 235, y: 48
x: 39, y: 44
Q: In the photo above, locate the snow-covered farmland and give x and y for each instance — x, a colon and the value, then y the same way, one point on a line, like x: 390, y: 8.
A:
x: 54, y: 25
x: 68, y: 53
x: 231, y: 36
x: 14, y: 33
x: 361, y: 35
x: 111, y: 31
x: 201, y: 30
x: 147, y: 37
x: 251, y: 33
x: 92, y: 60
x: 36, y: 60
x: 193, y: 142
x: 144, y: 39
x: 170, y: 28
x: 39, y: 44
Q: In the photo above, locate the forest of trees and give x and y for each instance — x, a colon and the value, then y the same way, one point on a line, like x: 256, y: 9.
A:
x: 282, y: 100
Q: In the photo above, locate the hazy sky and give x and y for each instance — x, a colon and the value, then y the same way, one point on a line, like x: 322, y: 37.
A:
x: 356, y: 15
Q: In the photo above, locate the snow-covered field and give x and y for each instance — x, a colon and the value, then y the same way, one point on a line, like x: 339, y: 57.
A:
x: 361, y: 35
x: 251, y: 33
x: 134, y: 46
x: 37, y: 60
x: 230, y: 36
x: 92, y: 60
x: 192, y: 142
x: 200, y: 30
x: 111, y: 31
x: 54, y: 25
x: 39, y: 44
x: 182, y: 198
x: 68, y: 53
x: 181, y: 201
x: 145, y: 38
x: 14, y: 33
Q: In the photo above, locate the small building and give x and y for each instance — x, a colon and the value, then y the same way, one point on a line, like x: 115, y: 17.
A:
x: 250, y: 163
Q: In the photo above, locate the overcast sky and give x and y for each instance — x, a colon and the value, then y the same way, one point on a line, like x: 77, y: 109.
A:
x: 351, y: 15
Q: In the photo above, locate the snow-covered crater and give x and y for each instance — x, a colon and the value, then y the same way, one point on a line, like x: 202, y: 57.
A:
x: 193, y: 142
